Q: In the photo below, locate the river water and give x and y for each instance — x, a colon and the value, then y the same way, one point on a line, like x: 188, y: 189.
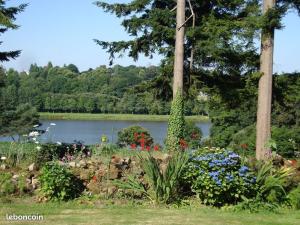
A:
x: 90, y: 132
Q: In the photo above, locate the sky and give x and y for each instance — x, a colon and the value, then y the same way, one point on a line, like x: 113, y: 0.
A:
x: 62, y: 31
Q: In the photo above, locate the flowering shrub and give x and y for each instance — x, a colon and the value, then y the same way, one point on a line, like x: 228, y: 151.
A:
x: 218, y: 177
x: 134, y: 136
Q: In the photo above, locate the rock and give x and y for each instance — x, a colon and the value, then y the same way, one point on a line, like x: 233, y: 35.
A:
x: 82, y: 164
x: 34, y: 183
x: 116, y: 160
x: 3, y: 167
x: 114, y: 172
x: 72, y: 164
x: 32, y: 167
x: 61, y: 163
x: 111, y: 190
x: 94, y: 187
x: 85, y: 175
x: 102, y: 171
x: 16, y: 177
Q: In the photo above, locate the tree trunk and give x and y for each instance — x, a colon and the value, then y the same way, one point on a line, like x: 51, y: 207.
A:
x: 179, y: 48
x: 263, y: 125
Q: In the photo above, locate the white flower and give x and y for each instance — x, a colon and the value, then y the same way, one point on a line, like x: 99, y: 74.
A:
x: 37, y: 142
x: 38, y: 147
x: 36, y: 125
x: 59, y: 143
x: 34, y: 139
x: 25, y: 135
x: 3, y: 158
x: 52, y: 124
x: 33, y: 134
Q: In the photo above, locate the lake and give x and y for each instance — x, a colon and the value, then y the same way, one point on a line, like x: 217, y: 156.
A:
x: 90, y: 132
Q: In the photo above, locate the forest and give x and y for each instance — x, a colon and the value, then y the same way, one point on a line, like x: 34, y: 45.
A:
x: 217, y: 60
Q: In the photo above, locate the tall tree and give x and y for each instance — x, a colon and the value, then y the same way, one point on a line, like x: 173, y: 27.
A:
x: 263, y: 125
x: 179, y: 48
x: 273, y: 11
x: 7, y: 18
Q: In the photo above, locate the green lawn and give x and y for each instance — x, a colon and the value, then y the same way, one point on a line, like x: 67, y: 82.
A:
x: 73, y: 213
x: 125, y: 117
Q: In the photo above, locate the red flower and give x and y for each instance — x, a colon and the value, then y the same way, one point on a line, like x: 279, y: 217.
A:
x: 148, y: 148
x: 94, y: 178
x: 183, y: 144
x: 244, y: 146
x: 156, y: 148
x: 133, y: 146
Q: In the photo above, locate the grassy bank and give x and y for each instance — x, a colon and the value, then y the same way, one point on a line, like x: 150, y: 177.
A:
x: 73, y: 213
x: 118, y: 117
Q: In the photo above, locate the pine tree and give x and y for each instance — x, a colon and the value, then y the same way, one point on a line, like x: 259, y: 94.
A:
x: 7, y: 18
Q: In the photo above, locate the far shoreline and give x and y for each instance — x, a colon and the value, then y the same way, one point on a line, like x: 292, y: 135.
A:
x: 115, y: 117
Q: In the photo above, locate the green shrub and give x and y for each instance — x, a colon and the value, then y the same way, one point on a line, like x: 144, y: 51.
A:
x: 163, y: 183
x: 65, y: 152
x: 272, y: 183
x: 134, y: 136
x: 218, y: 177
x: 287, y: 140
x: 192, y: 135
x: 176, y: 123
x: 294, y: 198
x: 6, y: 185
x: 57, y: 183
x: 255, y: 205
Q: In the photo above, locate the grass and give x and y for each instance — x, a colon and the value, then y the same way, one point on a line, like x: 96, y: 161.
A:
x: 116, y: 117
x: 74, y: 213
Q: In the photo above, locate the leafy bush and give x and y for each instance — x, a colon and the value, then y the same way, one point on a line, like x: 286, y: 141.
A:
x: 163, y: 183
x: 287, y: 140
x: 272, y: 182
x: 192, y: 135
x: 218, y: 177
x: 294, y: 198
x: 64, y: 152
x: 134, y: 136
x: 57, y: 183
x: 255, y: 205
x: 6, y: 185
x: 176, y: 123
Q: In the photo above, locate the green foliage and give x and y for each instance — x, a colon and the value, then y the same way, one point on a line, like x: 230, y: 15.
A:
x: 294, y: 198
x: 57, y: 183
x: 232, y: 107
x: 176, y: 123
x: 64, y: 152
x: 164, y: 182
x: 272, y: 183
x: 18, y: 154
x: 19, y: 121
x: 218, y: 177
x: 192, y: 135
x: 134, y: 135
x: 6, y: 185
x: 255, y: 205
x: 7, y: 19
x: 286, y: 139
